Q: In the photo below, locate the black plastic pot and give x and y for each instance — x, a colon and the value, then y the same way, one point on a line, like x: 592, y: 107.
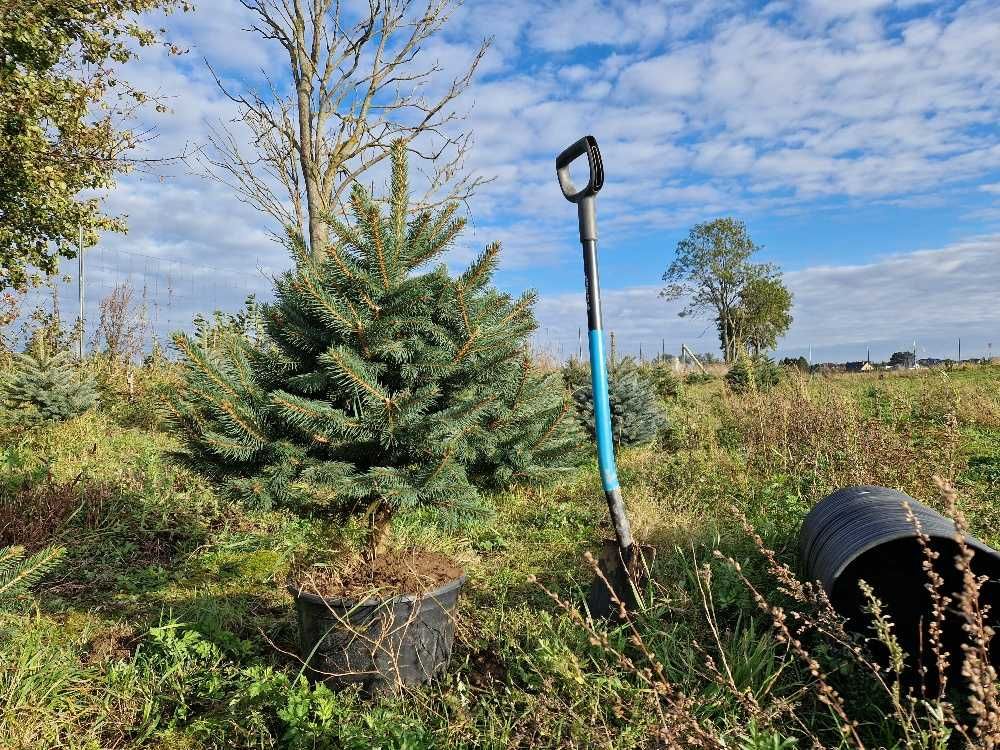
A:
x: 864, y: 533
x: 380, y: 643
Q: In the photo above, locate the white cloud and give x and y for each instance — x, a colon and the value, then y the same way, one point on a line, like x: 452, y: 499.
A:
x: 569, y: 24
x: 931, y: 296
x: 668, y: 76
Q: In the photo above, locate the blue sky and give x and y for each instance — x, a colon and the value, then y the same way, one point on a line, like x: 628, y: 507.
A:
x: 858, y: 139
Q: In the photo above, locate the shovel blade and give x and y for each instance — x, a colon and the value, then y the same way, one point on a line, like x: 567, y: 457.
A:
x: 616, y: 580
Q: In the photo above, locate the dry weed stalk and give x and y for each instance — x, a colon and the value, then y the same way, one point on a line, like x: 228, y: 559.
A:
x: 828, y: 441
x: 926, y: 718
x: 825, y: 692
x: 977, y: 667
x: 677, y: 724
x: 939, y: 604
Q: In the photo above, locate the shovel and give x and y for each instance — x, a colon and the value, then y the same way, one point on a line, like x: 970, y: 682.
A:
x: 617, y: 562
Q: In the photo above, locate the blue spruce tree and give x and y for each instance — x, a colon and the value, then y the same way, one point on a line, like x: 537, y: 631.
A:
x: 377, y: 382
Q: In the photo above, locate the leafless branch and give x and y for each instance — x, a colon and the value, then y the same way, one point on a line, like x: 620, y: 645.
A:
x: 357, y: 84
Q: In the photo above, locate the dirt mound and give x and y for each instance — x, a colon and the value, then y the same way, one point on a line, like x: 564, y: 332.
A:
x: 392, y: 574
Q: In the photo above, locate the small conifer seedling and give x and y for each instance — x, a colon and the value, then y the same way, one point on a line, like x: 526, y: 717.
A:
x: 45, y: 388
x: 752, y: 374
x: 637, y: 415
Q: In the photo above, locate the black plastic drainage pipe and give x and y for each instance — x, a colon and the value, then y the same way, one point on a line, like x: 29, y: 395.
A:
x: 864, y: 533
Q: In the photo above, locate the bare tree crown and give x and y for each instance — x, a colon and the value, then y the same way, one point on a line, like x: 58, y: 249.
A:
x: 353, y: 84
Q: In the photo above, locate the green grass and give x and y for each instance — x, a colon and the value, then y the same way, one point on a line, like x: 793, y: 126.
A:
x: 167, y: 622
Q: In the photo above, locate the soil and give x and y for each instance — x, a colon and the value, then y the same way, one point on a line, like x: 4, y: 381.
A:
x: 486, y: 669
x: 393, y: 574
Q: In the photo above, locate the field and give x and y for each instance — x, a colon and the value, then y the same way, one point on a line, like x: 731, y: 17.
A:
x: 167, y: 624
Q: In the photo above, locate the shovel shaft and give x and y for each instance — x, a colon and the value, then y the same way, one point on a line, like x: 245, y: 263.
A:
x: 599, y: 385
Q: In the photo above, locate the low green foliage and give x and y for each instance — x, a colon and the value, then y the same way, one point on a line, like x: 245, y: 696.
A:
x: 167, y: 625
x: 45, y: 388
x: 637, y: 416
x: 758, y: 373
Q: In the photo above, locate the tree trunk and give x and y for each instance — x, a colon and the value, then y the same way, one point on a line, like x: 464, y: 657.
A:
x: 310, y: 170
x: 727, y: 352
x: 380, y: 519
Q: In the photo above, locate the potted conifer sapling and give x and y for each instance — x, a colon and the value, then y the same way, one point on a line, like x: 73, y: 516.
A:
x: 378, y: 383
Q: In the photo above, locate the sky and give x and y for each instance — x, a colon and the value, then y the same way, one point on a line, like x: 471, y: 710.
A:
x: 858, y: 140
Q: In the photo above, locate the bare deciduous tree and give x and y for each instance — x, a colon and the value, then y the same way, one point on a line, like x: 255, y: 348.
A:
x: 121, y: 332
x: 353, y: 85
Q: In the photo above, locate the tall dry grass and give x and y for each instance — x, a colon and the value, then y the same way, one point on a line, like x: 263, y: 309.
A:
x: 825, y: 439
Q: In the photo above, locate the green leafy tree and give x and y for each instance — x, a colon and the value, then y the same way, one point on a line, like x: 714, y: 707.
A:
x: 376, y: 386
x: 797, y: 363
x: 637, y: 415
x: 45, y: 388
x: 762, y: 315
x: 710, y: 270
x: 902, y: 359
x: 63, y: 114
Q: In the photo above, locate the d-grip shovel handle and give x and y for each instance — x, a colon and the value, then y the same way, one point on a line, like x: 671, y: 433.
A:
x: 586, y: 145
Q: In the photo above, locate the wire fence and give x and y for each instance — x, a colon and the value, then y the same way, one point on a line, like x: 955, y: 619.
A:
x: 165, y: 294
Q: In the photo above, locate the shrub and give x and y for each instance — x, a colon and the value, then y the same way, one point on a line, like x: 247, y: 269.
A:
x: 753, y: 373
x: 662, y: 379
x: 637, y: 416
x: 372, y: 385
x: 698, y: 378
x: 43, y: 388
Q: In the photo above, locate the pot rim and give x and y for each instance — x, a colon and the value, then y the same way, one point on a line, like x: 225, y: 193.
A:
x: 350, y: 602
